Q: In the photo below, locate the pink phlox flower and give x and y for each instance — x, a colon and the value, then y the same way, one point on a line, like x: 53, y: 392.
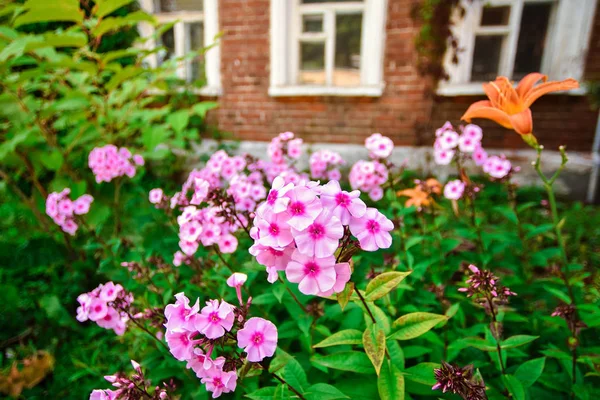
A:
x: 443, y: 157
x: 474, y: 132
x: 210, y: 234
x: 98, y: 309
x: 454, y: 189
x: 467, y: 144
x: 110, y: 291
x: 190, y: 231
x: 321, y: 238
x: 188, y: 248
x: 303, y: 208
x: 276, y: 199
x: 294, y: 149
x: 106, y: 394
x: 479, y: 155
x: 227, y: 243
x: 449, y: 140
x: 181, y: 344
x: 81, y: 206
x: 372, y: 230
x: 379, y: 146
x: 313, y: 274
x: 201, y: 363
x: 376, y: 193
x: 497, y: 167
x: 215, y: 319
x: 201, y: 188
x: 258, y: 338
x: 180, y: 316
x: 342, y: 277
x: 274, y: 230
x: 446, y: 127
x: 342, y: 204
x: 218, y: 381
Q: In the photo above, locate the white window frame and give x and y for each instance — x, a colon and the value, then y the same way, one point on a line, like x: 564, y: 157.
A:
x: 567, y: 40
x: 286, y: 32
x: 212, y: 58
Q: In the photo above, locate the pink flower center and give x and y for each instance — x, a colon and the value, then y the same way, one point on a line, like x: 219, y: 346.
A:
x: 108, y: 317
x: 110, y: 292
x: 297, y: 208
x: 311, y: 268
x: 214, y: 318
x: 184, y: 339
x: 209, y: 233
x: 373, y: 226
x: 217, y: 382
x: 192, y: 230
x: 258, y: 338
x: 98, y: 308
x: 274, y: 229
x: 316, y: 231
x: 272, y: 197
x: 342, y: 199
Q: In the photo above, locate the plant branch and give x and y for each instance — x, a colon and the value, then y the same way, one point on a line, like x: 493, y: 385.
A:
x: 280, y: 379
x: 362, y: 299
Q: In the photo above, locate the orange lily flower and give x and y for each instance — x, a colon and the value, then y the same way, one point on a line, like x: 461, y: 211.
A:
x: 420, y: 195
x: 509, y: 106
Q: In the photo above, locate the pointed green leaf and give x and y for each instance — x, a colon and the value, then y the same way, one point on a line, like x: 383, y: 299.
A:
x: 323, y: 391
x: 390, y: 382
x: 382, y: 284
x: 178, y: 120
x: 530, y: 371
x: 105, y: 7
x: 294, y: 374
x: 344, y: 296
x: 265, y: 393
x: 353, y: 361
x: 48, y: 11
x: 280, y: 360
x: 374, y: 344
x: 413, y: 325
x: 514, y: 387
x: 348, y: 336
x: 517, y: 340
x: 422, y: 373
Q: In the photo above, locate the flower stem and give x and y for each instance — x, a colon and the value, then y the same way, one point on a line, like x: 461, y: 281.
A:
x: 495, y: 333
x: 280, y: 379
x: 362, y: 299
x: 293, y: 295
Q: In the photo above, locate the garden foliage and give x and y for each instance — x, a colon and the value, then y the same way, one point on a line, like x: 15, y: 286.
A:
x: 249, y: 277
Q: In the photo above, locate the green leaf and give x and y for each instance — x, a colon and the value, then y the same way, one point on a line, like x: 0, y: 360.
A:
x: 558, y: 293
x: 422, y: 373
x: 281, y: 393
x: 295, y: 375
x: 55, y: 311
x: 154, y: 135
x: 280, y: 360
x: 353, y: 361
x: 203, y: 107
x: 529, y: 372
x: 539, y: 230
x: 414, y: 325
x: 266, y: 393
x: 344, y: 296
x: 514, y: 387
x: 52, y: 160
x: 374, y: 344
x: 105, y: 7
x: 382, y: 284
x: 323, y: 391
x: 178, y: 120
x: 390, y: 382
x: 517, y: 340
x: 47, y: 11
x: 117, y: 23
x: 448, y: 244
x: 348, y: 336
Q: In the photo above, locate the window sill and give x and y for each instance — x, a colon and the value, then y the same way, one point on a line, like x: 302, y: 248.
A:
x: 303, y: 91
x: 207, y: 91
x: 475, y: 89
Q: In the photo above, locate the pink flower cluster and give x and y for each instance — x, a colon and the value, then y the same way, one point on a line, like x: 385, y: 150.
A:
x: 110, y: 162
x: 299, y: 227
x: 369, y: 176
x: 379, y: 146
x: 193, y: 333
x: 283, y: 151
x: 106, y: 306
x: 449, y: 144
x: 63, y: 210
x: 448, y: 141
x: 284, y: 145
x: 324, y: 164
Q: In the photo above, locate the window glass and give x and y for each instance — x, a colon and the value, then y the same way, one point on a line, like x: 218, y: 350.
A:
x: 196, y: 40
x: 347, y: 49
x: 486, y: 57
x: 312, y: 63
x: 494, y: 16
x: 180, y: 5
x: 329, y: 1
x: 532, y: 37
x: 167, y: 40
x: 312, y: 23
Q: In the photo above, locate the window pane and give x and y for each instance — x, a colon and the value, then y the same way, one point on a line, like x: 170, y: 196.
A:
x: 312, y: 63
x: 180, y: 5
x: 486, y: 57
x: 532, y: 36
x: 312, y: 23
x: 196, y: 40
x: 167, y: 40
x: 347, y: 49
x: 491, y: 16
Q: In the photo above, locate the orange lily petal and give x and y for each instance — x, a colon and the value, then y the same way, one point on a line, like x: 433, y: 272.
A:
x: 491, y: 91
x: 522, y: 122
x: 528, y: 82
x: 548, y: 87
x: 484, y: 109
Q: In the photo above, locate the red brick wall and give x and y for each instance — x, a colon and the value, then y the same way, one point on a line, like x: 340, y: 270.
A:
x: 249, y: 112
x: 405, y: 112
